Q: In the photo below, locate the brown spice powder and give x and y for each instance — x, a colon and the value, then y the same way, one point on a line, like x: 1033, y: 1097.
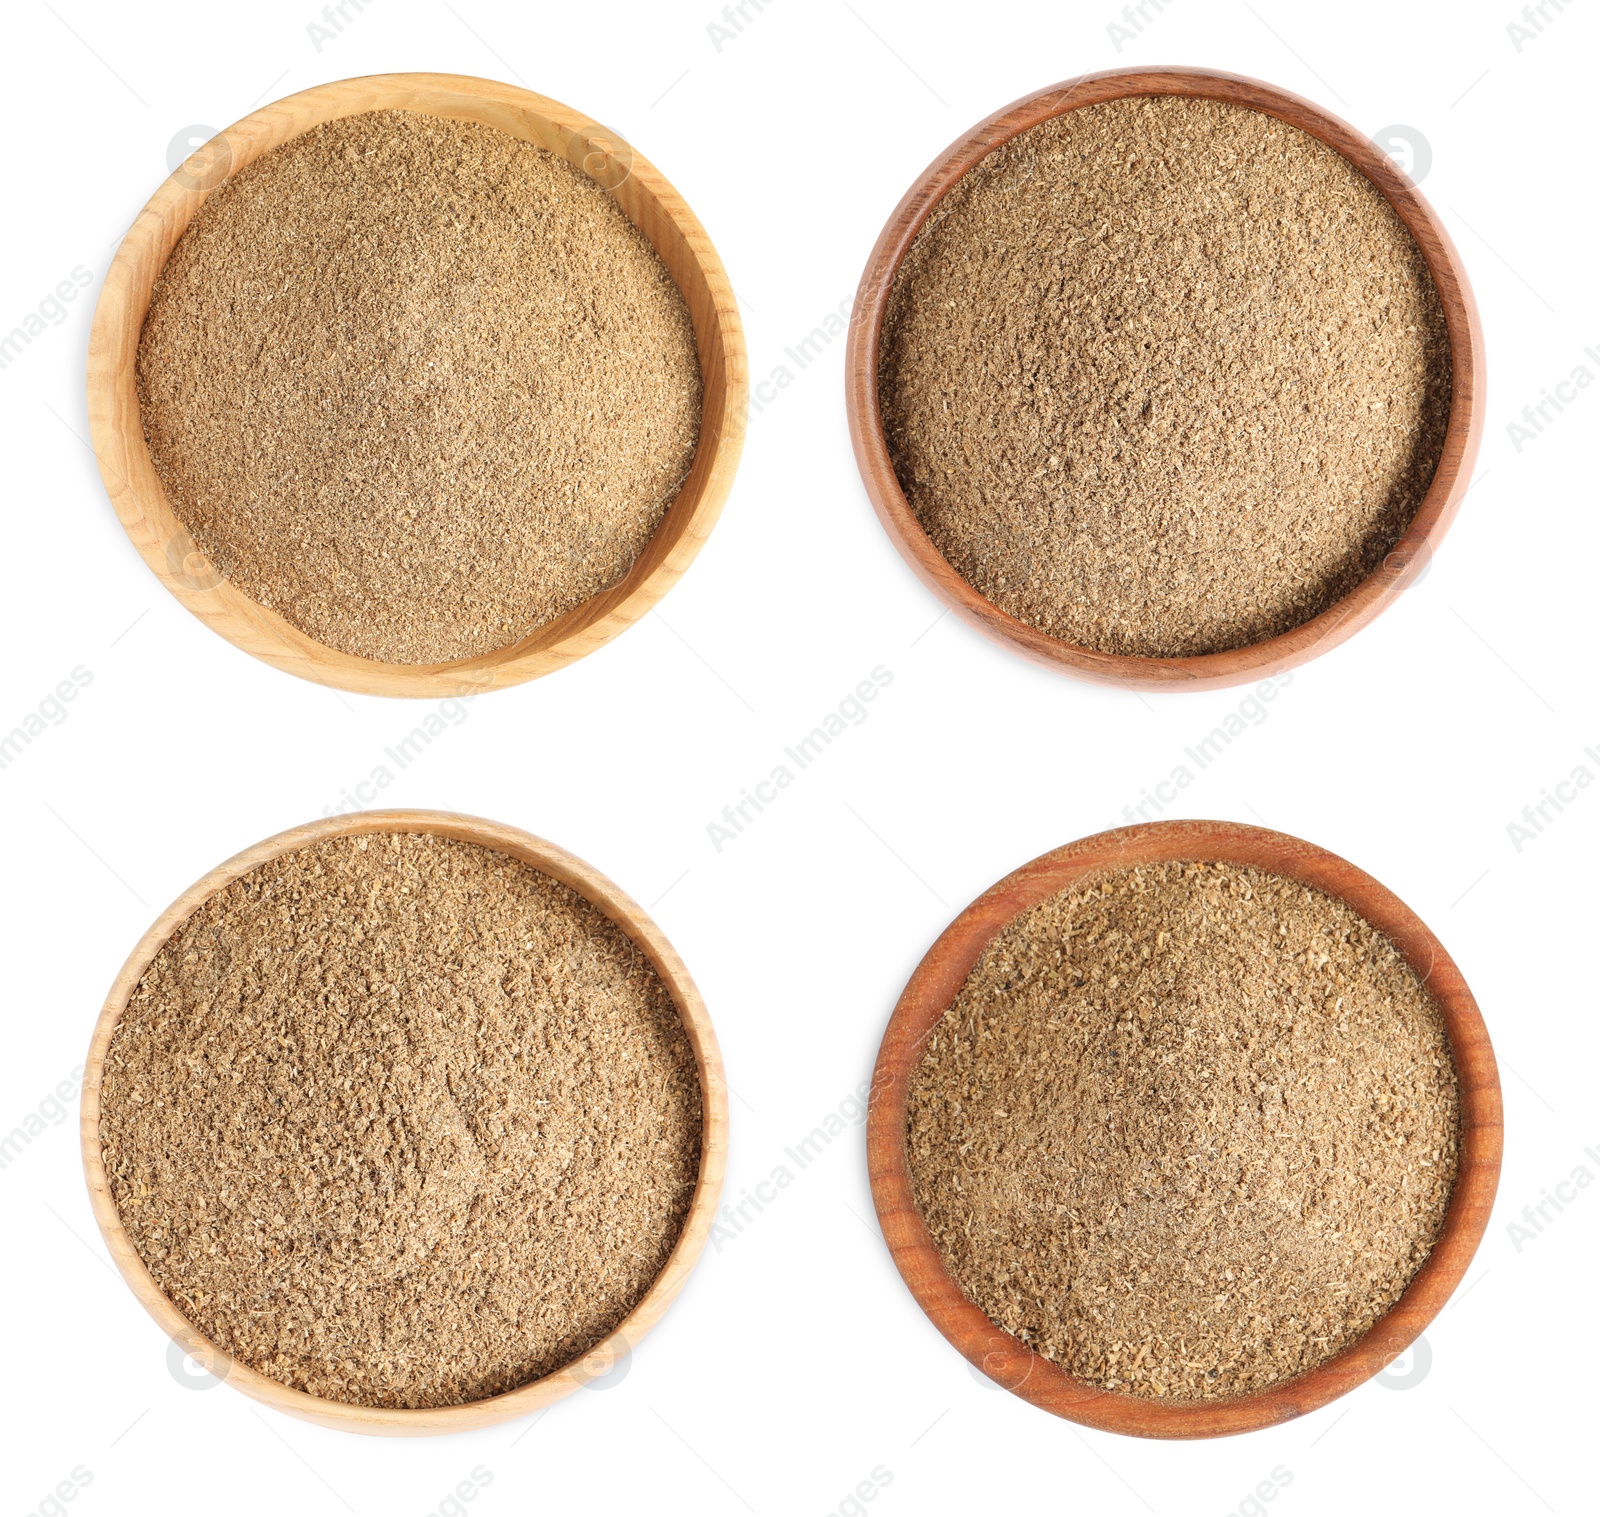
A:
x: 400, y: 1121
x: 1187, y: 1130
x: 418, y: 386
x: 1164, y: 377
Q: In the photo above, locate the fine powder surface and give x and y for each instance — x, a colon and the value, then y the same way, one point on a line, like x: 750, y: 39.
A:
x: 401, y: 1121
x: 418, y: 386
x: 1164, y: 377
x: 1188, y: 1129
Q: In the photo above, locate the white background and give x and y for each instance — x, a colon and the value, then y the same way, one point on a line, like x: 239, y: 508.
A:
x: 796, y: 1362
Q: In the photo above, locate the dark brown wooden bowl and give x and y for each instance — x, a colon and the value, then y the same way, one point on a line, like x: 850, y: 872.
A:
x: 1208, y: 671
x: 941, y: 974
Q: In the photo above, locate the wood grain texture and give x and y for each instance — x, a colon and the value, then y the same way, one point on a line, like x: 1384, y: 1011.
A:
x: 616, y: 905
x: 650, y: 203
x: 941, y: 975
x: 1209, y: 671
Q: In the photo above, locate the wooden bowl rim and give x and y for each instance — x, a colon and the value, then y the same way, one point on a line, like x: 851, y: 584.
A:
x: 164, y: 543
x: 406, y: 1421
x: 1404, y: 563
x: 944, y: 970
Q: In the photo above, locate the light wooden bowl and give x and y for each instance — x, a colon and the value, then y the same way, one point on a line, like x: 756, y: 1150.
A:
x: 1209, y: 671
x: 401, y: 1421
x: 939, y: 978
x: 649, y: 202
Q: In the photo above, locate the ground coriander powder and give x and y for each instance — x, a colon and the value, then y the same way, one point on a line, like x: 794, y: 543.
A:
x: 400, y: 1121
x: 418, y: 386
x: 1188, y: 1130
x: 1164, y: 376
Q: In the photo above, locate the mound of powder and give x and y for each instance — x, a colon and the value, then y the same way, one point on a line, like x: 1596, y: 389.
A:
x: 418, y: 386
x: 1187, y: 1130
x: 400, y: 1121
x: 1164, y: 377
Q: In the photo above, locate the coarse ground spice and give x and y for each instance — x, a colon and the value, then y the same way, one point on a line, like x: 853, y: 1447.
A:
x: 1188, y: 1129
x: 400, y: 1121
x: 1164, y: 377
x: 418, y: 386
